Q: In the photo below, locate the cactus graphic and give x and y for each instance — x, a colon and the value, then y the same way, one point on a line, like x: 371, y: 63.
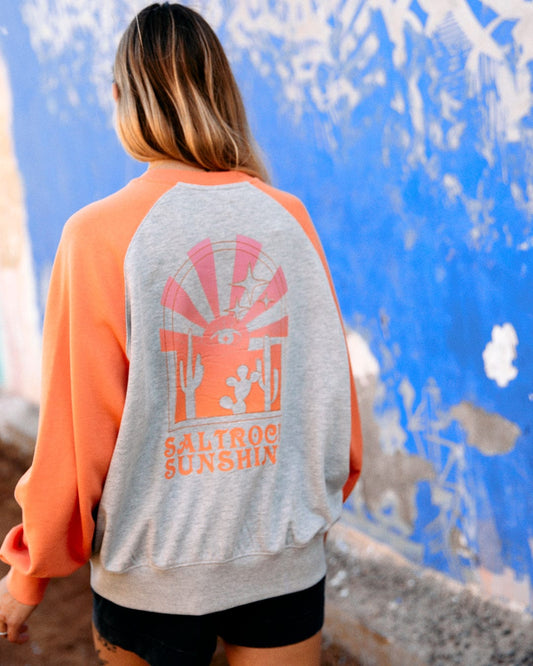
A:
x: 242, y: 385
x: 264, y: 380
x: 192, y: 381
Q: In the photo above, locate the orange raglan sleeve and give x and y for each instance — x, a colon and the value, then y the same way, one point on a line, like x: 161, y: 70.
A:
x: 83, y: 391
x: 356, y: 445
x: 298, y: 211
x: 356, y: 441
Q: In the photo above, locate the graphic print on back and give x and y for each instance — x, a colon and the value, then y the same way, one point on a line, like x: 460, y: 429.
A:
x: 224, y: 322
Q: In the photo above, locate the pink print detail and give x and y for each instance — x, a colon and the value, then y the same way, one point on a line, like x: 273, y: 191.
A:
x: 177, y: 299
x: 278, y: 329
x: 224, y: 323
x: 204, y: 262
x: 276, y: 289
x: 246, y: 254
x: 171, y: 341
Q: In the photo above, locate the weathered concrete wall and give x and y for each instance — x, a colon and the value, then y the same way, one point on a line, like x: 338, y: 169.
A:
x: 406, y: 127
x: 19, y: 328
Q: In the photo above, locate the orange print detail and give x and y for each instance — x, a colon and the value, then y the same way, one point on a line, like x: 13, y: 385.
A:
x: 224, y: 326
x: 217, y: 450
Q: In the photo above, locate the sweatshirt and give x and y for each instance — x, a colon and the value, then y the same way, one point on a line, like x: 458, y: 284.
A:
x: 199, y: 427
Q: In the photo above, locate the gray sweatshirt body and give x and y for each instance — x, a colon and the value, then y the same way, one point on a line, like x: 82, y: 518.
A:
x: 234, y: 443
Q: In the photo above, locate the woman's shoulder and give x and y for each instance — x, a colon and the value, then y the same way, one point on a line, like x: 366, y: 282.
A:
x: 295, y: 207
x: 114, y: 216
x: 286, y: 199
x: 99, y: 212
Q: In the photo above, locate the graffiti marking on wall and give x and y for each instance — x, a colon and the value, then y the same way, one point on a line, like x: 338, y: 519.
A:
x: 389, y: 484
x: 385, y: 501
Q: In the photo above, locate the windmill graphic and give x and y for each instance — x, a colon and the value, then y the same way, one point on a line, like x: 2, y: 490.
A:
x: 224, y: 322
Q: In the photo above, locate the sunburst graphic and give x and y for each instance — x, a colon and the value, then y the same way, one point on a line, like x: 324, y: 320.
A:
x: 224, y: 322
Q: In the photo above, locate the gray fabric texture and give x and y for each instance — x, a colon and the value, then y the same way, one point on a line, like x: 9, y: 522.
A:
x: 233, y: 447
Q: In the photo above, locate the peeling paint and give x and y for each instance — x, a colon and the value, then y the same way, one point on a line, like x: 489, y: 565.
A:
x: 459, y: 545
x: 328, y: 58
x: 364, y: 364
x: 315, y: 36
x: 489, y: 433
x: 389, y: 484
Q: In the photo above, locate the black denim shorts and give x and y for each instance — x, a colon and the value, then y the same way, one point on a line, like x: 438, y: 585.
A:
x: 163, y: 639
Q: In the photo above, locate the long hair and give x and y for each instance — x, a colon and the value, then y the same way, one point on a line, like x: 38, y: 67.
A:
x: 177, y: 96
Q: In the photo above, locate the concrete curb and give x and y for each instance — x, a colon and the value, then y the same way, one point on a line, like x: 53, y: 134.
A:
x: 385, y: 611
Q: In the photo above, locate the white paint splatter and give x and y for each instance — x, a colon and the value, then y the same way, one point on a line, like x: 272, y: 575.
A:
x: 398, y: 103
x: 454, y: 134
x: 318, y: 49
x: 330, y: 57
x: 499, y: 355
x: 523, y: 200
x: 73, y: 28
x: 453, y: 187
x: 365, y: 366
x: 479, y: 208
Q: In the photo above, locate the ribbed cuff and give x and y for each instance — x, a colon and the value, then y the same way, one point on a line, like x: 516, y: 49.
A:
x: 26, y: 589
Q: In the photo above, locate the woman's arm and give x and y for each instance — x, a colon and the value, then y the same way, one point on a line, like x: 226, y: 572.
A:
x: 84, y: 382
x: 13, y: 615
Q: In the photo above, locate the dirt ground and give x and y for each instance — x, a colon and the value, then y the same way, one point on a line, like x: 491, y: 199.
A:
x: 60, y: 628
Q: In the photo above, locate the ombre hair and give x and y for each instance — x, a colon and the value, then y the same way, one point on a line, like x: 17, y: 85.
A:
x: 177, y: 96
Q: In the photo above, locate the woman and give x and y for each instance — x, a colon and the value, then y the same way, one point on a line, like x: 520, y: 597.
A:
x: 199, y: 425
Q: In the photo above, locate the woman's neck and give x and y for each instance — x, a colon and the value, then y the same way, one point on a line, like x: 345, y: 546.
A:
x: 172, y: 164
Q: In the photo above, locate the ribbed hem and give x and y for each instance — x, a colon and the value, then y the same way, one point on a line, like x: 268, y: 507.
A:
x: 197, y: 589
x: 26, y: 589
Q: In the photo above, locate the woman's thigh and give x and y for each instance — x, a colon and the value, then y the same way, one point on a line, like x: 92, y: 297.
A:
x: 113, y: 655
x: 280, y: 630
x: 145, y: 637
x: 290, y: 622
x: 277, y: 630
x: 305, y: 653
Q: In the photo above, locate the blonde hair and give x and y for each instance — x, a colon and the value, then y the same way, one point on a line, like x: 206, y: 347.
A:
x: 177, y: 96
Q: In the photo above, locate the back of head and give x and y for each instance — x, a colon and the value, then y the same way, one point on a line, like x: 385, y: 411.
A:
x: 177, y: 97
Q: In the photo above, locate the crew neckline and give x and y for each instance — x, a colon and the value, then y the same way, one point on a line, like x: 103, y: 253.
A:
x: 176, y: 175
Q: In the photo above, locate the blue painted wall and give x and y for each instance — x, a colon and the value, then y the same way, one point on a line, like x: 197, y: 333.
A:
x: 407, y: 129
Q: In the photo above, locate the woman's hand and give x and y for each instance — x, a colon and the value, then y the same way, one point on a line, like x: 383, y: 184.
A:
x: 13, y: 616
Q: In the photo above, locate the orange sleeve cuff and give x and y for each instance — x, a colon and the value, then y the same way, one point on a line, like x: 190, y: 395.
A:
x: 26, y: 589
